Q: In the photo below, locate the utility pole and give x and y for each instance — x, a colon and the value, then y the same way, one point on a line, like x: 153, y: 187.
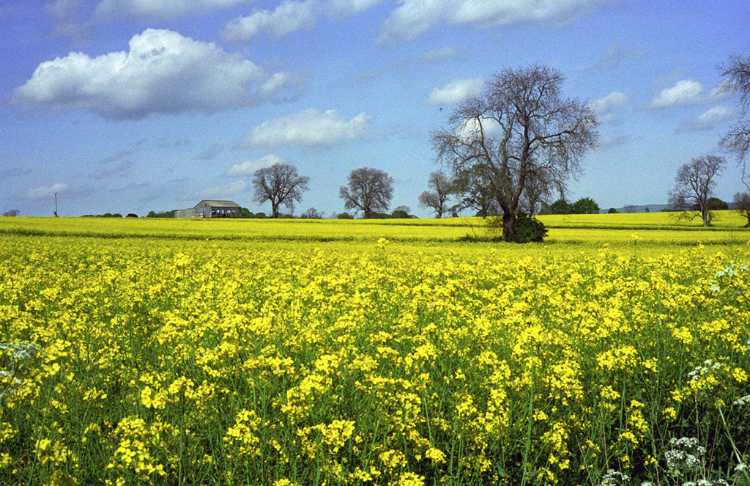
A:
x: 56, y: 215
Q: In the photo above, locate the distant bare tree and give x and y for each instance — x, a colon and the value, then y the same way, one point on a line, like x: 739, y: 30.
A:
x: 736, y: 74
x: 742, y: 204
x: 474, y: 190
x: 521, y: 126
x: 312, y: 213
x: 538, y: 190
x: 367, y: 190
x: 279, y: 184
x: 694, y: 183
x: 441, y: 189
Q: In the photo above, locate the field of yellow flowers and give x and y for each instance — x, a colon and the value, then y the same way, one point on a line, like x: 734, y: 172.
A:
x: 134, y: 358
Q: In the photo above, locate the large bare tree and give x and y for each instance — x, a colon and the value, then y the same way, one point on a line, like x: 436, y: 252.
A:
x: 441, y: 189
x: 694, y: 184
x: 367, y: 190
x: 519, y: 129
x: 736, y: 74
x: 279, y: 184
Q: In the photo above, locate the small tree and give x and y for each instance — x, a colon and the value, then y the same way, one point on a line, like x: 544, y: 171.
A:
x: 585, y: 205
x: 441, y: 189
x: 742, y: 204
x: 561, y: 206
x: 475, y: 193
x: 367, y: 190
x: 694, y: 183
x: 716, y: 204
x: 401, y: 212
x: 537, y: 192
x: 280, y: 185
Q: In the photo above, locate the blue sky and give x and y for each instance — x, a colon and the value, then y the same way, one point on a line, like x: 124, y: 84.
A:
x: 133, y: 105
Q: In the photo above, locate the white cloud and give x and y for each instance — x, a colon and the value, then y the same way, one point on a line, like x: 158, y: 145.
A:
x: 43, y: 192
x: 456, y: 91
x: 603, y: 106
x: 716, y: 114
x: 249, y: 167
x: 291, y: 16
x: 710, y: 118
x: 160, y: 8
x: 683, y: 92
x: 471, y: 130
x: 413, y: 17
x: 309, y: 127
x: 288, y: 17
x: 162, y: 72
x: 278, y: 82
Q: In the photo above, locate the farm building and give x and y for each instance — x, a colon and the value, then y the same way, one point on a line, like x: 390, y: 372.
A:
x: 210, y: 208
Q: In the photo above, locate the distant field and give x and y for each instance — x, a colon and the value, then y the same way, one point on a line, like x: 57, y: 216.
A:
x: 662, y: 228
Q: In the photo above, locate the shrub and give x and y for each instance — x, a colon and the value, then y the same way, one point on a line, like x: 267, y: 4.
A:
x: 528, y: 228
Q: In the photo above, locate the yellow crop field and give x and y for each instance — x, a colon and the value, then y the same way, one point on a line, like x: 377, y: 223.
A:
x: 357, y: 352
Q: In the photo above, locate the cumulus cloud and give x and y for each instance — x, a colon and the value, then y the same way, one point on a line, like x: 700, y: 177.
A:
x: 456, y: 91
x: 604, y: 106
x: 309, y: 127
x: 160, y: 8
x: 414, y: 17
x: 43, y: 192
x: 162, y: 72
x: 683, y: 92
x: 291, y: 16
x: 249, y: 167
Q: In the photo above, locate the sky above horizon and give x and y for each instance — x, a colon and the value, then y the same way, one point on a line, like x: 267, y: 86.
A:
x: 137, y: 105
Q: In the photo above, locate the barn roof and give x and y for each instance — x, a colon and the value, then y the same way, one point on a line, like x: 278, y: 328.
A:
x: 217, y: 203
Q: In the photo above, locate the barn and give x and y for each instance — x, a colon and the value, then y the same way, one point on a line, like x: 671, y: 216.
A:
x: 211, y: 208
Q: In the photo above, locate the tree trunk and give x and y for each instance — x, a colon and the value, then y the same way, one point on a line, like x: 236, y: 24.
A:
x: 274, y: 210
x: 706, y: 215
x: 509, y: 226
